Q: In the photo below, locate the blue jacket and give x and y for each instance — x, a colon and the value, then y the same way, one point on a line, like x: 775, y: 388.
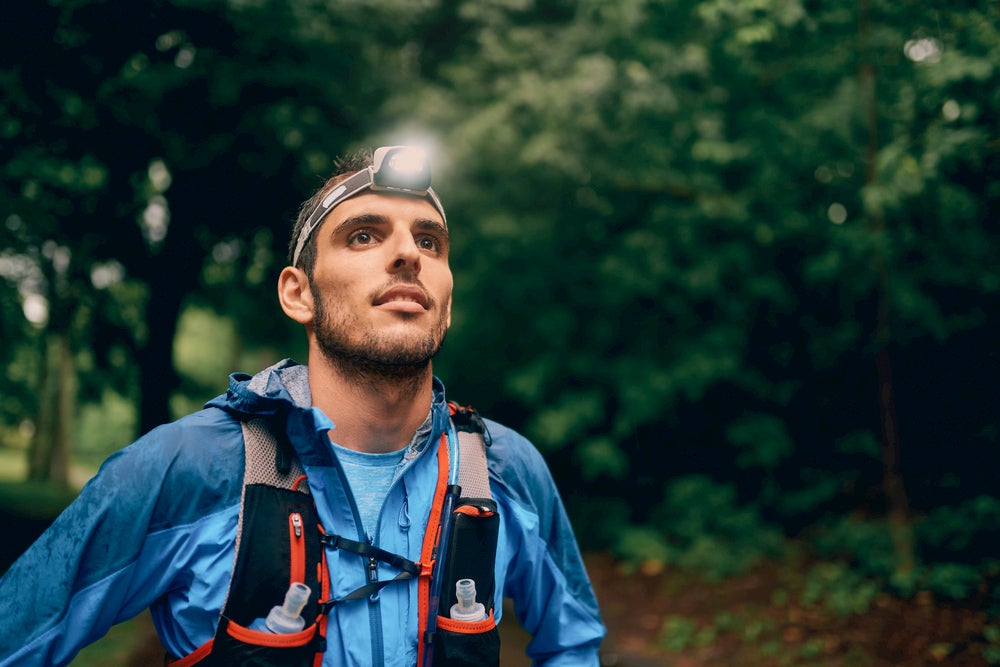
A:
x: 156, y: 527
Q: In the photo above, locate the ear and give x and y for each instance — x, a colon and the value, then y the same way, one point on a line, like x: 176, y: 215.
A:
x: 295, y: 295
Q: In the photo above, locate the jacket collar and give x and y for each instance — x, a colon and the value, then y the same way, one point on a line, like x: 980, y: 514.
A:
x: 283, y: 390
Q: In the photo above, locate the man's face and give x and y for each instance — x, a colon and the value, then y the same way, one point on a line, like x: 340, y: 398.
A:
x: 381, y: 284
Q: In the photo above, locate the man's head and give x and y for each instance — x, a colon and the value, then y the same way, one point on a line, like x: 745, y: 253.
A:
x: 402, y: 170
x: 369, y: 275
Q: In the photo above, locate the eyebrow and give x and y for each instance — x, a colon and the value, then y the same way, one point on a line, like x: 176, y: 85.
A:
x: 424, y: 224
x: 356, y: 220
x: 432, y: 226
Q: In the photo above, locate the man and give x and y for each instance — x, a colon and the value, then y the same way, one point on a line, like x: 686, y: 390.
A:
x: 368, y: 425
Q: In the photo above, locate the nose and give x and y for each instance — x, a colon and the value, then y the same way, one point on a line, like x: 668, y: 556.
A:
x: 404, y: 253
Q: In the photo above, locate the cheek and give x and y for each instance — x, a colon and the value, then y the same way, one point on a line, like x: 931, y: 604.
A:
x: 446, y: 314
x: 446, y: 279
x: 332, y: 284
x: 445, y: 291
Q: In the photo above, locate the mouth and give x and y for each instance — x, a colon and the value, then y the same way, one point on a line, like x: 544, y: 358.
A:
x: 407, y: 298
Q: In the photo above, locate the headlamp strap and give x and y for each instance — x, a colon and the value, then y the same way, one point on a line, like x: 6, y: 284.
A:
x: 348, y: 188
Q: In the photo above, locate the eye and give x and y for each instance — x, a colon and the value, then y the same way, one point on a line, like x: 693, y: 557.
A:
x: 361, y: 237
x: 429, y: 243
x: 432, y: 240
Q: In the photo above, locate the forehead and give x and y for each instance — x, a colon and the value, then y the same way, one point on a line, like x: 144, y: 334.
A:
x: 393, y: 207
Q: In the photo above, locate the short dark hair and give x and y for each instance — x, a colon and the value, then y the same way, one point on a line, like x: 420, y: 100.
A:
x: 343, y: 168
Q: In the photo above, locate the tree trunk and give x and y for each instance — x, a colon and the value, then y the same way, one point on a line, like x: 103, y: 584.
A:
x: 897, y: 503
x: 40, y: 451
x: 158, y: 379
x: 172, y: 272
x: 65, y: 410
x: 48, y: 456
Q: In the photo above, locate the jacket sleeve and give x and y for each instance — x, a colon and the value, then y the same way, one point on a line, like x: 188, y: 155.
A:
x: 546, y: 577
x: 113, y: 551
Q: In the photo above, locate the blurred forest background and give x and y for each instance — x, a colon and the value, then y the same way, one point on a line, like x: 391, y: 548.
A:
x: 733, y: 265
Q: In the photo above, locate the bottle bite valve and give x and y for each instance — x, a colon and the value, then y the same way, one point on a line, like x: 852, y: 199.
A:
x: 467, y: 609
x: 286, y: 618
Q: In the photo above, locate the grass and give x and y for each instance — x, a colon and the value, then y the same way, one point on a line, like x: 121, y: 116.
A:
x: 35, y: 500
x: 13, y: 464
x: 118, y: 646
x: 32, y: 499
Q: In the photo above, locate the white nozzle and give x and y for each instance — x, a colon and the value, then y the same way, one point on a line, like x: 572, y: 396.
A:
x: 467, y: 608
x: 288, y: 617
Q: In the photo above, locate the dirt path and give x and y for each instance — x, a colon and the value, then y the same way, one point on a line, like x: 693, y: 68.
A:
x: 664, y: 618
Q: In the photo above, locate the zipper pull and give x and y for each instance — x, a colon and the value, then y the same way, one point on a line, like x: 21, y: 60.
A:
x: 404, y: 511
x: 297, y: 545
x: 373, y: 577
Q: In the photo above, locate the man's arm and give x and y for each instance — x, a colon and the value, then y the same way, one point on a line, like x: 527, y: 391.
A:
x: 554, y: 601
x: 71, y: 585
x: 546, y: 577
x: 118, y: 547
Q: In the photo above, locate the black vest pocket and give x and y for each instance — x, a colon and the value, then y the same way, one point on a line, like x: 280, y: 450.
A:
x: 458, y: 644
x: 237, y: 645
x: 471, y: 555
x: 472, y: 551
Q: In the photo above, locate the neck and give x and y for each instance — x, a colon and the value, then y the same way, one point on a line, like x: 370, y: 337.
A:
x: 375, y: 410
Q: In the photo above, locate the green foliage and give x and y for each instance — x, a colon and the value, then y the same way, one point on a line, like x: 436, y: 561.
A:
x: 816, y: 489
x: 145, y: 150
x: 754, y: 629
x: 839, y: 589
x: 679, y: 634
x: 955, y: 544
x: 638, y: 544
x: 700, y: 526
x: 697, y: 215
x: 958, y: 545
x: 761, y: 440
x: 954, y: 581
x: 201, y: 335
x: 601, y: 457
x: 860, y: 442
x: 867, y: 542
x: 18, y: 399
x: 968, y: 528
x: 992, y: 651
x: 565, y: 419
x: 105, y: 427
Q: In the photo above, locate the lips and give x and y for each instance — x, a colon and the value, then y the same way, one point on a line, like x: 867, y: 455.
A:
x: 401, y: 295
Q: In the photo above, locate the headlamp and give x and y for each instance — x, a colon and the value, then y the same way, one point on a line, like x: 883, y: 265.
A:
x: 401, y: 170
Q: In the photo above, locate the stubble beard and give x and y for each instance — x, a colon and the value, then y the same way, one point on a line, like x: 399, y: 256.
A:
x: 370, y: 358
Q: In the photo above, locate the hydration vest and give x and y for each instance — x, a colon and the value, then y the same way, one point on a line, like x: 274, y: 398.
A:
x: 279, y: 541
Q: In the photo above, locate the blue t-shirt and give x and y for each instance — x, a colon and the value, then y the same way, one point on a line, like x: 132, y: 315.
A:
x: 370, y: 476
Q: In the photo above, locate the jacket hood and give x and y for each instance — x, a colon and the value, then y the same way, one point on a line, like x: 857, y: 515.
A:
x: 283, y: 390
x: 278, y: 388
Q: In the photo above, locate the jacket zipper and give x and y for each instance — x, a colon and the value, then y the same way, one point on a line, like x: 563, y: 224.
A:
x: 375, y: 614
x: 297, y: 541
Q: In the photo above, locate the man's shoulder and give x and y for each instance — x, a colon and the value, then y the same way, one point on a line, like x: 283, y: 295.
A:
x: 200, y: 432
x: 204, y: 445
x: 514, y: 458
x: 197, y: 463
x: 508, y: 439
